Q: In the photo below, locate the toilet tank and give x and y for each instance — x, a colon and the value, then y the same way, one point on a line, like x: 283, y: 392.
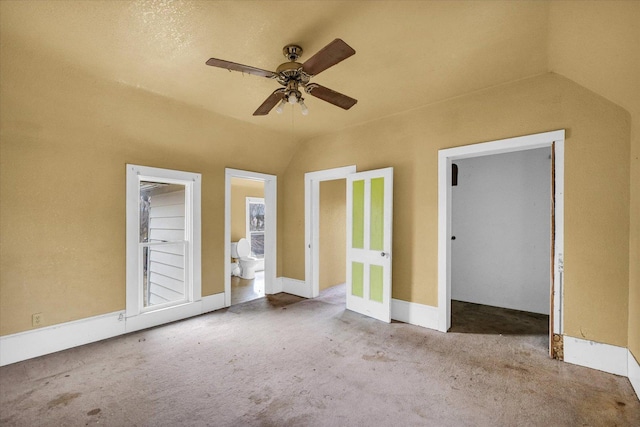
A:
x: 234, y: 250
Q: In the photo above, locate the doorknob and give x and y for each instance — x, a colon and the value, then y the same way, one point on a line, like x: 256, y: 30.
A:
x: 384, y: 254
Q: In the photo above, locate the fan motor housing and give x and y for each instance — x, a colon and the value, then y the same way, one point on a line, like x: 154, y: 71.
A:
x: 289, y: 68
x: 291, y: 71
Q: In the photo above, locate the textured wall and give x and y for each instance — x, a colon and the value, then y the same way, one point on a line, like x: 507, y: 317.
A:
x: 333, y: 214
x: 66, y: 137
x: 596, y: 44
x: 66, y: 134
x: 240, y: 190
x: 596, y: 197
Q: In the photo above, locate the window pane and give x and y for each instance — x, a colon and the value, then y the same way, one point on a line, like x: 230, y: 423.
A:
x: 163, y: 276
x: 256, y: 217
x: 162, y: 212
x: 257, y: 245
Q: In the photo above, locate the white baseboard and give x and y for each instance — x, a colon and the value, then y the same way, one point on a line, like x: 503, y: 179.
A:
x: 633, y: 372
x: 172, y: 314
x: 212, y: 302
x: 277, y: 286
x: 403, y: 311
x: 163, y: 316
x: 414, y: 313
x: 38, y: 342
x: 595, y: 355
x: 296, y: 287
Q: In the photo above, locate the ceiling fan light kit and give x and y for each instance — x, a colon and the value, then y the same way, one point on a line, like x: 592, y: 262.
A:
x: 294, y: 76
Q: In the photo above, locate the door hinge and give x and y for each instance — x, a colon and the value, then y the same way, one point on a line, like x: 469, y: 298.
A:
x: 560, y: 263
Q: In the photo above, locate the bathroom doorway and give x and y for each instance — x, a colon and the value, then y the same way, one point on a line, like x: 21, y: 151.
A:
x: 247, y: 222
x: 247, y: 192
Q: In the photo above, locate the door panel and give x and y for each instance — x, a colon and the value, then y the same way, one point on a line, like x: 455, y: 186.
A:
x: 369, y: 242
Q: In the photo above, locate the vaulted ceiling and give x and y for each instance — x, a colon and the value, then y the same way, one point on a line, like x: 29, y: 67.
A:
x: 409, y: 54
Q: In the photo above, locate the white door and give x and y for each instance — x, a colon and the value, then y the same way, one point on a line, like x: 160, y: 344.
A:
x: 369, y: 221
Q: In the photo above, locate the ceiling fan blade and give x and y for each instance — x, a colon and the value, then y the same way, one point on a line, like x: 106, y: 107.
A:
x: 331, y: 96
x: 270, y: 102
x: 221, y: 63
x: 328, y: 56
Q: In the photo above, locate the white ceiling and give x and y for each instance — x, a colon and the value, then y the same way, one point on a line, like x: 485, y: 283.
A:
x: 409, y: 54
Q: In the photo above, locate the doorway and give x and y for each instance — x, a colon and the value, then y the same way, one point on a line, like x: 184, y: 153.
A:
x: 312, y: 182
x: 369, y: 224
x: 332, y: 246
x: 500, y: 265
x: 553, y: 141
x: 247, y: 222
x: 264, y: 232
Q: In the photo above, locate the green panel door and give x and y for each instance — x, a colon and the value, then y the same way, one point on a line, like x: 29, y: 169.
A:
x: 369, y: 210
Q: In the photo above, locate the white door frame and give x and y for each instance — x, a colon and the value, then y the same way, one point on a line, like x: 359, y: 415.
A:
x: 312, y: 182
x: 270, y: 234
x: 445, y: 158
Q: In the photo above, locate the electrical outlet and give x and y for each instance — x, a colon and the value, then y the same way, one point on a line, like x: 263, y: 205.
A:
x: 37, y: 319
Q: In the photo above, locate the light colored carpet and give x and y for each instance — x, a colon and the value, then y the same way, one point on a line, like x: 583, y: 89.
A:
x: 285, y: 361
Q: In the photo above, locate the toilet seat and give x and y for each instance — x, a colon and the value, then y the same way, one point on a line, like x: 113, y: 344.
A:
x: 247, y: 263
x: 244, y: 249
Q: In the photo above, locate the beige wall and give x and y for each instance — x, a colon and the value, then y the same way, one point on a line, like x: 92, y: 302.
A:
x: 596, y: 197
x: 240, y: 190
x: 333, y: 244
x: 65, y: 139
x: 596, y: 44
x: 66, y: 134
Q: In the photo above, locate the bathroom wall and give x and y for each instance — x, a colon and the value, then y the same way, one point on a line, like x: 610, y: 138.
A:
x: 501, y: 220
x: 333, y: 244
x: 240, y: 190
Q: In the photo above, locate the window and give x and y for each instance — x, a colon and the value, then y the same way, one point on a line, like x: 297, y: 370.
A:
x: 163, y: 239
x: 255, y: 226
x: 163, y: 243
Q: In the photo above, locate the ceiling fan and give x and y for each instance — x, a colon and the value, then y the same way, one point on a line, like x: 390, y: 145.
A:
x: 294, y: 76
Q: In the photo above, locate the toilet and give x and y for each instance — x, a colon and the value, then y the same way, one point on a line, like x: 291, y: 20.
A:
x: 241, y: 250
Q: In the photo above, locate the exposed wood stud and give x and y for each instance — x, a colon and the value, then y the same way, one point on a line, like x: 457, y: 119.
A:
x: 557, y: 347
x: 552, y: 334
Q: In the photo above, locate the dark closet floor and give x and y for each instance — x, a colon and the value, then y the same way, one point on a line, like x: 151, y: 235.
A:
x: 473, y: 318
